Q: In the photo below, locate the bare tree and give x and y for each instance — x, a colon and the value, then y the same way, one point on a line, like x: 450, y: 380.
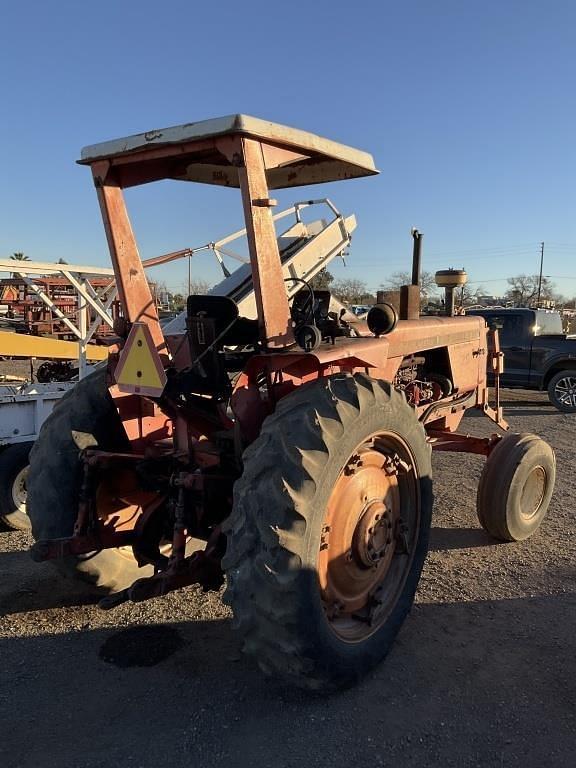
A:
x: 467, y: 296
x: 523, y: 290
x: 351, y: 290
x: 198, y: 287
x: 428, y: 285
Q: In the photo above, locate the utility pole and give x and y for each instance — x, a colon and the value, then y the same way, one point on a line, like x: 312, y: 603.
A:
x: 540, y: 278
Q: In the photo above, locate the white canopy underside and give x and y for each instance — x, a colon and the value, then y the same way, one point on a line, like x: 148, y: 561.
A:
x: 308, y: 158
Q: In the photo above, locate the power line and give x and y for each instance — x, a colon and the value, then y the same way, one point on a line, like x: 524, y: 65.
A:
x: 469, y: 257
x: 427, y: 259
x: 523, y: 246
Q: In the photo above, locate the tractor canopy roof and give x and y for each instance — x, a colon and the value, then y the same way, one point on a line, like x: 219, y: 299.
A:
x: 207, y: 152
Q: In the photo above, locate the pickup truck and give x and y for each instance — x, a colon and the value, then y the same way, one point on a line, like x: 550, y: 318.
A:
x: 537, y: 354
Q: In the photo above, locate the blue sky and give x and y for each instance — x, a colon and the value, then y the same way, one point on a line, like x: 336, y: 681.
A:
x: 468, y: 109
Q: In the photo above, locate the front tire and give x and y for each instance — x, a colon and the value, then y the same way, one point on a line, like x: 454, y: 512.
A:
x: 515, y: 487
x: 329, y: 531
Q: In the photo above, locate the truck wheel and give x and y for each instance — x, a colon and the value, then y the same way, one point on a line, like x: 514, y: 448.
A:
x: 562, y: 391
x: 55, y: 474
x: 515, y: 487
x: 329, y: 531
x: 13, y: 473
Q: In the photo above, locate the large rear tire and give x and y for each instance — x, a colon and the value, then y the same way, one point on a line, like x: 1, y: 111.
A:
x: 55, y: 474
x: 329, y: 531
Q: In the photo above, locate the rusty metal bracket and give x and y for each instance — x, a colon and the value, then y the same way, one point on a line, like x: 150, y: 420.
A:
x: 52, y: 549
x: 459, y: 443
x: 495, y: 362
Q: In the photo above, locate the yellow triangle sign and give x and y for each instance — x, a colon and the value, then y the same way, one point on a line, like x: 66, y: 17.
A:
x: 139, y: 368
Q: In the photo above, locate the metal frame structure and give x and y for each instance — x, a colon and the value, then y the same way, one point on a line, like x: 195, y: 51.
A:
x: 217, y: 246
x: 24, y: 408
x: 90, y: 302
x: 235, y: 151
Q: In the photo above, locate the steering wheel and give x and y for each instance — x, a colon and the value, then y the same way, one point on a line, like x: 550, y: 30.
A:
x: 307, y: 335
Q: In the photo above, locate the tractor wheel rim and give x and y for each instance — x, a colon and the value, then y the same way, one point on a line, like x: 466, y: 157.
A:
x: 19, y: 491
x: 565, y: 391
x: 369, y: 536
x: 533, y: 492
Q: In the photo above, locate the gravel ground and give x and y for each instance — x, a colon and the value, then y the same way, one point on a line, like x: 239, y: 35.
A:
x: 483, y: 672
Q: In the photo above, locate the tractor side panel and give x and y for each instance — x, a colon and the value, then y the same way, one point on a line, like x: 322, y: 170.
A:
x: 468, y: 365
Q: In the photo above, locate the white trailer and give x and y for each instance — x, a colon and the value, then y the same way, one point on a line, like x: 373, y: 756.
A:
x: 25, y: 407
x: 23, y: 410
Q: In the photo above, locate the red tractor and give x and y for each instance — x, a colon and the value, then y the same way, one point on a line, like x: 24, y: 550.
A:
x: 293, y: 442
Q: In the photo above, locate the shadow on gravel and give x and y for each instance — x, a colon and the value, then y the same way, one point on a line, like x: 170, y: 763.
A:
x: 141, y: 646
x: 518, y: 408
x: 475, y: 413
x: 28, y: 586
x: 459, y: 538
x: 542, y: 411
x: 543, y: 404
x: 467, y: 684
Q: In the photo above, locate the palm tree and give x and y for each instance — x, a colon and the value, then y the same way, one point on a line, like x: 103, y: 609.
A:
x: 18, y: 256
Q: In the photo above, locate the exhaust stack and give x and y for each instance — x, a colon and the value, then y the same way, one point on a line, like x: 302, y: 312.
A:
x: 410, y: 294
